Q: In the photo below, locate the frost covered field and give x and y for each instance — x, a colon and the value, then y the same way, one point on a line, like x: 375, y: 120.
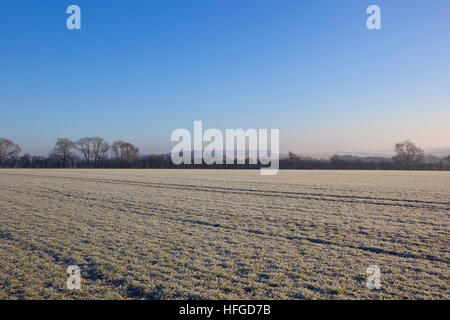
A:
x: 209, y: 234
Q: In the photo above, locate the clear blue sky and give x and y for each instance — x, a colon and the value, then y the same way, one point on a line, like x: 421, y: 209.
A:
x: 137, y: 70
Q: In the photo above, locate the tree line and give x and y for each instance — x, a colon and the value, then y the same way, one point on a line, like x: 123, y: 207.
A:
x: 95, y: 152
x: 88, y: 152
x: 407, y: 156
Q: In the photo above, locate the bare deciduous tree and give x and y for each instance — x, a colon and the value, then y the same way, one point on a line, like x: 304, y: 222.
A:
x: 293, y: 156
x: 8, y: 150
x: 100, y: 150
x: 408, y: 154
x: 84, y: 145
x: 125, y: 152
x: 63, y: 151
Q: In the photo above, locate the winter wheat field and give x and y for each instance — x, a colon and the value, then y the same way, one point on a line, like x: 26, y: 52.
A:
x: 223, y: 234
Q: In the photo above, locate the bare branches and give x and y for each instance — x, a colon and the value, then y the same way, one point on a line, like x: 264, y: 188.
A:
x: 84, y: 145
x: 63, y: 151
x: 93, y: 149
x: 8, y: 150
x: 100, y: 150
x: 125, y: 152
x: 408, y: 154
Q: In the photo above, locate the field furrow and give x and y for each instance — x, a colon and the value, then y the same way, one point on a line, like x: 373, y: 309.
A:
x: 211, y: 234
